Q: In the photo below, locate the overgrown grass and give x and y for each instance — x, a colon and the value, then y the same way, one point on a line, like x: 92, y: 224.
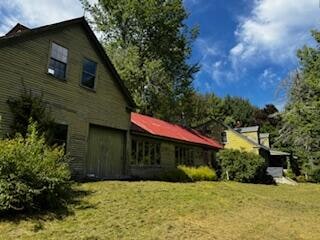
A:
x: 159, y: 210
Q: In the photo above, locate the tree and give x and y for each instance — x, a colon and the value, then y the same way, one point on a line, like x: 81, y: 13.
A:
x: 269, y: 120
x: 149, y: 44
x: 204, y: 107
x: 301, y: 128
x: 237, y: 109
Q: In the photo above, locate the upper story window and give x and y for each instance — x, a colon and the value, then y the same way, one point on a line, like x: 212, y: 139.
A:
x: 224, y: 138
x: 58, y: 61
x: 88, y: 73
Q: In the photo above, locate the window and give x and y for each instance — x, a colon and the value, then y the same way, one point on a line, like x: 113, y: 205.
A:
x: 145, y: 153
x: 184, y: 156
x: 88, y: 74
x: 58, y: 61
x: 60, y: 135
x: 224, y: 137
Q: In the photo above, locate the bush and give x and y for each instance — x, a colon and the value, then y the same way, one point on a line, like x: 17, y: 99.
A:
x: 202, y: 173
x: 32, y: 175
x: 174, y: 175
x: 315, y: 175
x: 29, y: 106
x: 289, y: 173
x: 300, y: 179
x: 243, y: 166
x: 187, y: 174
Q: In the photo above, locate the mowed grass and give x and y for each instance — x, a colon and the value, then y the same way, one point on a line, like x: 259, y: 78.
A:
x: 159, y: 210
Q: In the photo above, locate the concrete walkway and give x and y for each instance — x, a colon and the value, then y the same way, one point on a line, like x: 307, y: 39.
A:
x: 285, y: 180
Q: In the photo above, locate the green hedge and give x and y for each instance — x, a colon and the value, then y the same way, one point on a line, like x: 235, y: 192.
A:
x: 243, y: 166
x: 32, y: 175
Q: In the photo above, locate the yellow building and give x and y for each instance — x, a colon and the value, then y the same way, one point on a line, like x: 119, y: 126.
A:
x: 245, y: 139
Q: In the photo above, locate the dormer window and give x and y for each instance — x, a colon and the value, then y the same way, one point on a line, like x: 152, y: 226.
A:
x: 88, y: 74
x: 58, y: 61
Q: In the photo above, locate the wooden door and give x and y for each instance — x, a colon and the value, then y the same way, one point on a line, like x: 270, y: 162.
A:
x: 105, y: 158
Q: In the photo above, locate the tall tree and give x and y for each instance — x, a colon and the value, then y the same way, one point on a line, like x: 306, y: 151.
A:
x: 204, y: 107
x: 269, y: 120
x: 150, y: 44
x: 238, y: 111
x: 301, y: 128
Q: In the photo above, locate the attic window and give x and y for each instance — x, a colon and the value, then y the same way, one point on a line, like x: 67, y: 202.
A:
x: 58, y: 61
x: 88, y: 73
x: 224, y: 137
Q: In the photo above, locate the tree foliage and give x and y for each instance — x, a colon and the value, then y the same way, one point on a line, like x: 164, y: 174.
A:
x: 29, y: 106
x: 269, y: 120
x: 301, y: 128
x: 149, y: 43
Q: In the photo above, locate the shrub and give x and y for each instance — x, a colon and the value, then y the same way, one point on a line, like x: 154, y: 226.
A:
x: 300, y: 179
x: 243, y: 166
x: 174, y: 175
x: 315, y: 175
x: 187, y: 174
x: 32, y: 175
x: 27, y: 107
x: 289, y: 173
x: 202, y: 173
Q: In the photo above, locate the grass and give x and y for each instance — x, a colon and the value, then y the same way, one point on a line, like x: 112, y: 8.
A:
x: 159, y: 210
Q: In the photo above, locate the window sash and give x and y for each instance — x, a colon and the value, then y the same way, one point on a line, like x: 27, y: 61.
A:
x: 145, y: 153
x: 58, y: 72
x: 59, y: 53
x: 184, y: 156
x: 88, y: 78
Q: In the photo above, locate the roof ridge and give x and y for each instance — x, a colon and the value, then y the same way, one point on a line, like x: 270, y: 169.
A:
x: 91, y: 36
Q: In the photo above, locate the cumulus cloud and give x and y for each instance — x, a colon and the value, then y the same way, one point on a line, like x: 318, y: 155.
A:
x: 275, y: 30
x: 33, y: 13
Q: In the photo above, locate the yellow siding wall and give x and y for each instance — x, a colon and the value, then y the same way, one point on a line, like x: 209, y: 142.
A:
x: 234, y: 141
x: 252, y: 135
x: 265, y: 141
x: 23, y: 66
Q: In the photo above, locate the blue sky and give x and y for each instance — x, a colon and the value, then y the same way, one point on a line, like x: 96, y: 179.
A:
x: 245, y: 47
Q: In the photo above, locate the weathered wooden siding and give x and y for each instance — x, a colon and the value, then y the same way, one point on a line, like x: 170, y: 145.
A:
x: 234, y: 141
x: 168, y: 161
x: 23, y: 66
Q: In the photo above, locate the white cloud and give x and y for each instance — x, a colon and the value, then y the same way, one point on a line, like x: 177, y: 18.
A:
x: 206, y: 48
x: 268, y: 79
x: 33, y: 13
x: 275, y: 30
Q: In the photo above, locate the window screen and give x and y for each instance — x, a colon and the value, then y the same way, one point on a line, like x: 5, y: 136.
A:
x: 58, y: 61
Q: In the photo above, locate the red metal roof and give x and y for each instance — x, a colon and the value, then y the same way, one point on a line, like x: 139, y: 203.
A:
x: 162, y: 128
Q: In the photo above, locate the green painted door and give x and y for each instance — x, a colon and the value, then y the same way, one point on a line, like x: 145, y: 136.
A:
x: 105, y: 157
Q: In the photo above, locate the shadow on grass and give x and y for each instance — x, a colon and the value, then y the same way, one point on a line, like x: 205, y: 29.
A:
x: 73, y: 202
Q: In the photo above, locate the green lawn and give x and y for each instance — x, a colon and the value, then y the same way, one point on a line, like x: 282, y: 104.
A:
x: 158, y: 210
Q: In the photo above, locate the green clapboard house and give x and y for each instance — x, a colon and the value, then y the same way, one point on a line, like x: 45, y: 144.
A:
x: 65, y: 63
